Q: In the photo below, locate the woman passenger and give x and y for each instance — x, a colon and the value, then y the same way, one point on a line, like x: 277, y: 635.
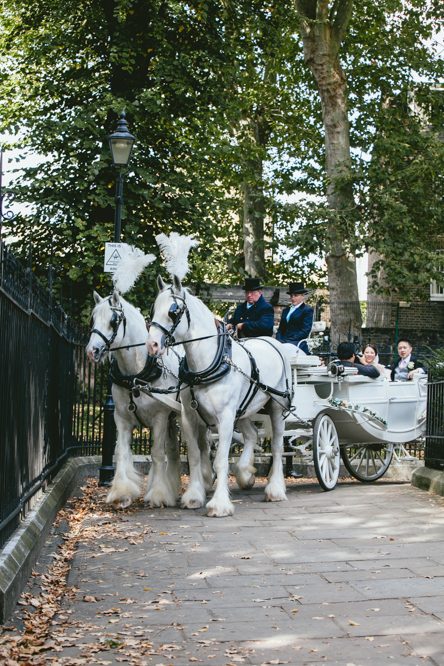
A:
x: 370, y: 356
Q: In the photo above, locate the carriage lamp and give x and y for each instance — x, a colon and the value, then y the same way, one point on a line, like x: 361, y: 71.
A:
x: 121, y: 143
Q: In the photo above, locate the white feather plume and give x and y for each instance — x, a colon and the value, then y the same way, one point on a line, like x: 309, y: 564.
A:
x: 175, y: 250
x: 133, y: 262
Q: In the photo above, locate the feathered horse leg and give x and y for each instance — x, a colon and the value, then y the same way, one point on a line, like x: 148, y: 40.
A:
x: 194, y: 496
x: 162, y: 490
x: 275, y: 489
x: 220, y: 504
x: 126, y: 483
x: 245, y: 469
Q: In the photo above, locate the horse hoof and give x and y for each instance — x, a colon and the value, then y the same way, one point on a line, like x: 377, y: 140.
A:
x: 122, y: 503
x: 191, y: 504
x: 250, y: 483
x: 275, y: 498
x: 221, y: 512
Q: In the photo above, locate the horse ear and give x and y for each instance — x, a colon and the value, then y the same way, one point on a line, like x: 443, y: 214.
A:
x: 115, y: 299
x: 177, y: 283
x: 97, y: 298
x: 160, y: 283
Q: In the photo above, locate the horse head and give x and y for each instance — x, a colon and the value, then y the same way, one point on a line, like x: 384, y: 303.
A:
x: 108, y: 326
x: 170, y: 316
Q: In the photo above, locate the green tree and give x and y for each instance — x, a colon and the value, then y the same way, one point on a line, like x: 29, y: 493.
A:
x: 262, y: 141
x: 68, y: 72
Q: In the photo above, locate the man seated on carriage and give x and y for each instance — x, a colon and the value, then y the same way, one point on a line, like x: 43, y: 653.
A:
x: 407, y: 366
x: 297, y: 319
x: 255, y: 316
x: 346, y: 354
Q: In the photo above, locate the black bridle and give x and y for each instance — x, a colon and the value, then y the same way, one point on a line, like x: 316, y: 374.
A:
x: 175, y: 313
x: 117, y: 318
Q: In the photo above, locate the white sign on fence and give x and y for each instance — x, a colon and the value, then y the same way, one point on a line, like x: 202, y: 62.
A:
x: 113, y: 257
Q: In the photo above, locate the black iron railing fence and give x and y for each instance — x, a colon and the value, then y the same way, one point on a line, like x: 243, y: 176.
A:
x: 434, y: 449
x: 51, y: 397
x: 36, y: 390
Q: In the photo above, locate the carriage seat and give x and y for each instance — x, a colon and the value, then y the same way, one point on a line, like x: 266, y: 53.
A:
x: 299, y: 359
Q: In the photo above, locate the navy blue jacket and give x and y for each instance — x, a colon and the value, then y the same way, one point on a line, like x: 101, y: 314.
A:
x: 258, y: 319
x: 366, y: 370
x: 297, y: 328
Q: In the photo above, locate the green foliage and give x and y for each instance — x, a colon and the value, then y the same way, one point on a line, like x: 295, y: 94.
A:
x: 404, y: 203
x: 218, y: 96
x: 435, y: 364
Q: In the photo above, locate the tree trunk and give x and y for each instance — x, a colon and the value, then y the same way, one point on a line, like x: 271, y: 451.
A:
x: 322, y: 31
x: 381, y: 309
x: 253, y: 213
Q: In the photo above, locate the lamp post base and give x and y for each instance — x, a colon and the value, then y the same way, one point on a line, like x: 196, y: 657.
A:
x: 106, y: 475
x: 106, y: 470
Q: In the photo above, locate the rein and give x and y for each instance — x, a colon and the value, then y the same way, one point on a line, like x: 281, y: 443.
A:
x: 204, y: 337
x: 137, y: 344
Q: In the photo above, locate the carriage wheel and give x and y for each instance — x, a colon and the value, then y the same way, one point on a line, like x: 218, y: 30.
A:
x: 367, y: 462
x: 326, y: 453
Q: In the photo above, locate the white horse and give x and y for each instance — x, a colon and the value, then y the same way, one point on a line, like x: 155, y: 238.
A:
x: 228, y: 383
x: 119, y: 328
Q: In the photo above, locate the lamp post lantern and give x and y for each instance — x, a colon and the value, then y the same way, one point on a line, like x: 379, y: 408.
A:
x: 121, y: 144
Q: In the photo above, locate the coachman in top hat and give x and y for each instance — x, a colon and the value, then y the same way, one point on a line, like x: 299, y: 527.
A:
x: 255, y: 316
x: 297, y: 319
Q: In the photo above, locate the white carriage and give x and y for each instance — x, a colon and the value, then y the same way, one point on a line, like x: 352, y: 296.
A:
x: 349, y: 416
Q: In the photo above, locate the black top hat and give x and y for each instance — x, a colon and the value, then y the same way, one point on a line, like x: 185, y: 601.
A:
x: 296, y: 288
x: 252, y: 284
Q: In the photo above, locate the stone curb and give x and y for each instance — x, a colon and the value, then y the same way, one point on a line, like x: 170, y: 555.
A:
x: 21, y: 551
x: 429, y: 479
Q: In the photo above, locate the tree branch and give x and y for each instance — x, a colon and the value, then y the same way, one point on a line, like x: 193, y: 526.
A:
x: 340, y: 15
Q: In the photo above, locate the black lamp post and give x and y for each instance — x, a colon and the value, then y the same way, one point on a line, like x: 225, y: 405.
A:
x: 121, y: 143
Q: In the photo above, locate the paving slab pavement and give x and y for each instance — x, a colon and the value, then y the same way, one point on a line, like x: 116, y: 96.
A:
x: 354, y: 576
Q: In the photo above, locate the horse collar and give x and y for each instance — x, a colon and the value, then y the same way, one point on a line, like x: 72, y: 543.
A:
x: 216, y: 370
x: 150, y: 372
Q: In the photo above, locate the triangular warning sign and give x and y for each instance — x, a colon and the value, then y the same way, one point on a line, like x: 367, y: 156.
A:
x: 114, y: 257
